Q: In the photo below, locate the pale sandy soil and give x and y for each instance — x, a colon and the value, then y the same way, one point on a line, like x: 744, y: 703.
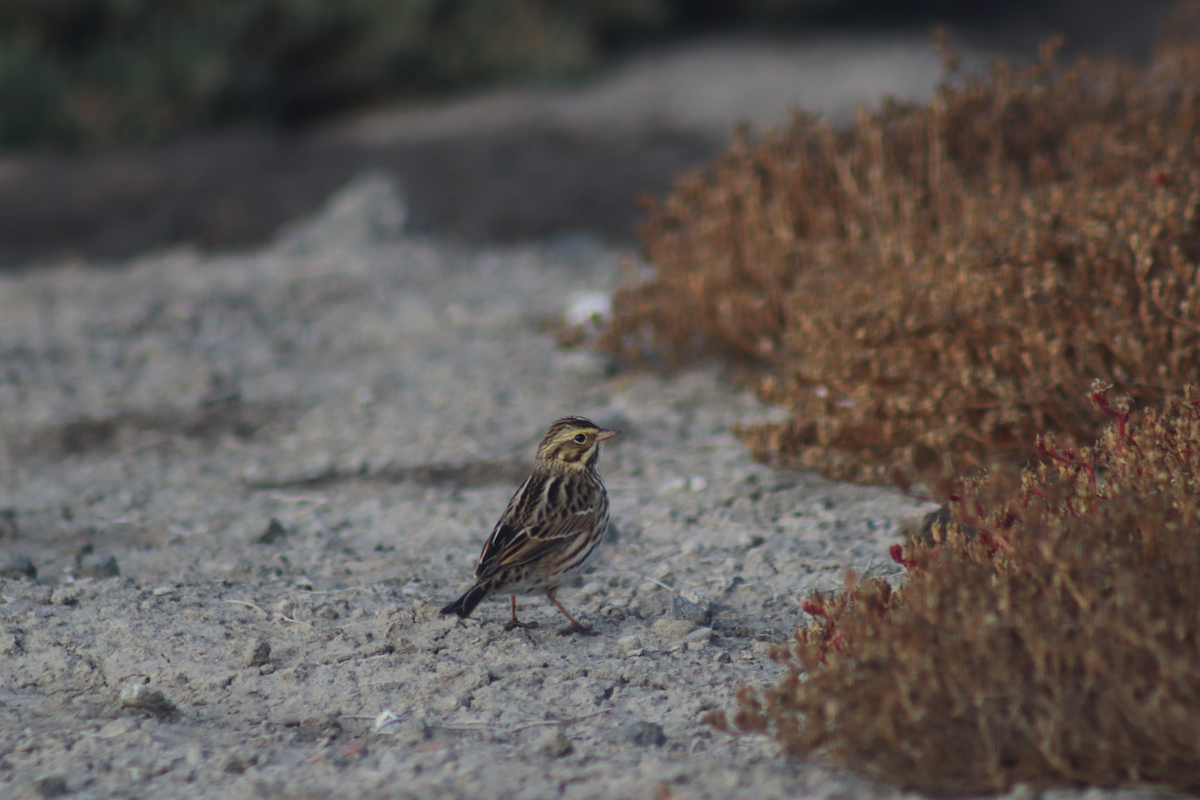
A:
x: 379, y: 398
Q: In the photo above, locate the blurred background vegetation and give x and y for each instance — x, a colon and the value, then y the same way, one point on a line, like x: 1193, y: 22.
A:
x: 97, y: 73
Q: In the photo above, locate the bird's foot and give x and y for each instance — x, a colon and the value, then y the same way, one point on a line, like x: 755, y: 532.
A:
x: 514, y: 625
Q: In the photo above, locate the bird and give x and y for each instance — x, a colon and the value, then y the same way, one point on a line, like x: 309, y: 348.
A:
x: 553, y: 525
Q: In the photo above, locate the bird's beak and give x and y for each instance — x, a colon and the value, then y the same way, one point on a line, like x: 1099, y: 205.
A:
x: 604, y: 435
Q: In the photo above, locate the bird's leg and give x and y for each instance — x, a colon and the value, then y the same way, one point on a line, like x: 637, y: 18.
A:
x: 516, y: 623
x: 575, y: 624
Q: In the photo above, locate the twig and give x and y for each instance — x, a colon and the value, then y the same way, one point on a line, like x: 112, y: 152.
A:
x: 570, y: 721
x: 247, y: 604
x: 298, y: 498
x: 648, y: 578
x: 476, y: 726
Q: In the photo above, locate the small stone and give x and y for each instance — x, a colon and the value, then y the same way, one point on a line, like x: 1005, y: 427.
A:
x: 642, y: 733
x: 679, y: 607
x: 233, y: 765
x: 274, y: 532
x: 554, y: 743
x: 722, y: 658
x: 413, y: 732
x: 51, y: 786
x: 285, y: 607
x: 672, y: 485
x: 10, y: 645
x: 16, y: 566
x: 65, y: 596
x: 328, y: 612
x: 266, y: 669
x: 258, y: 653
x: 673, y: 630
x: 628, y: 643
x: 698, y: 639
x: 140, y: 695
x: 750, y: 541
x: 90, y: 564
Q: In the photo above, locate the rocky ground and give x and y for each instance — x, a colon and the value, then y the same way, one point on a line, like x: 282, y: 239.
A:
x: 247, y: 484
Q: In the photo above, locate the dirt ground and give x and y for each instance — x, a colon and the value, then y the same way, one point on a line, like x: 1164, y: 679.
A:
x: 249, y: 482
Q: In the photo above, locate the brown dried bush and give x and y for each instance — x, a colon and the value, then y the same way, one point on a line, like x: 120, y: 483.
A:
x: 1046, y: 636
x: 926, y: 289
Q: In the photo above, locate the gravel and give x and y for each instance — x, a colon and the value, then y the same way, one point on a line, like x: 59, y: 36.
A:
x: 248, y: 483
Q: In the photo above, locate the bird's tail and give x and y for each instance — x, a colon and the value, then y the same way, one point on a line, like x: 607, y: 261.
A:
x: 464, y: 605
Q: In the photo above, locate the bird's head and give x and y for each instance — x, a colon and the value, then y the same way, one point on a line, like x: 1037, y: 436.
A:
x: 573, y: 443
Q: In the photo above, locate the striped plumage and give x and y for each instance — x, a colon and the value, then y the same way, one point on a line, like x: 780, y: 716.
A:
x: 552, y: 526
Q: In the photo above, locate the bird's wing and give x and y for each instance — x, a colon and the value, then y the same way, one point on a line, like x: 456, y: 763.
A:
x: 526, y: 533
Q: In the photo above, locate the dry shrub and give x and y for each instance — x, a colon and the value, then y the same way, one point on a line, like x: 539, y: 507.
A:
x: 926, y: 289
x: 1046, y: 635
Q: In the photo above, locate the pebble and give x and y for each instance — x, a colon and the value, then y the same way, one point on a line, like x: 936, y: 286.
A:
x: 628, y: 643
x: 232, y: 765
x: 10, y: 645
x: 680, y: 607
x: 284, y: 607
x: 16, y: 566
x: 554, y: 743
x: 672, y: 630
x: 258, y: 653
x: 588, y: 307
x: 642, y: 733
x: 274, y: 532
x: 51, y: 786
x: 140, y: 695
x: 698, y: 639
x: 750, y: 541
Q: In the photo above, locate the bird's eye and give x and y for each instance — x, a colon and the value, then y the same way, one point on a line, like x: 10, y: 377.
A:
x: 580, y: 438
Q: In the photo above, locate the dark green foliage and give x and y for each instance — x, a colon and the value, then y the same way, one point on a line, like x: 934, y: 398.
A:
x: 105, y: 71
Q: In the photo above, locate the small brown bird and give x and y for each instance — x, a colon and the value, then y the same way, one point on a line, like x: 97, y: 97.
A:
x: 553, y: 524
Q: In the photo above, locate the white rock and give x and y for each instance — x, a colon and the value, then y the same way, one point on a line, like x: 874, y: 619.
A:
x: 588, y: 307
